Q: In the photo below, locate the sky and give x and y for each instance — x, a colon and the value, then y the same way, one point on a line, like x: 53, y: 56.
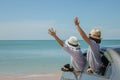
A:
x: 31, y: 19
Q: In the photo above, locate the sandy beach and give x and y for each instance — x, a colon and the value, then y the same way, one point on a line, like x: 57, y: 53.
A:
x: 31, y: 77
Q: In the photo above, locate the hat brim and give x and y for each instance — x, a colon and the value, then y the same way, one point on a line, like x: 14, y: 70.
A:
x: 66, y: 42
x: 95, y: 37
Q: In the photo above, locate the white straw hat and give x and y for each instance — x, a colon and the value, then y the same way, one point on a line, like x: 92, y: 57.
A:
x: 95, y: 33
x: 72, y: 42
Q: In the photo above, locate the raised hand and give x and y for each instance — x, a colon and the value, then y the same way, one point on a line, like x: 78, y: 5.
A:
x: 52, y: 32
x: 76, y: 21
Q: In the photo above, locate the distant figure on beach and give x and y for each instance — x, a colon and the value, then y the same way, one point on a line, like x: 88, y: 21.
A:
x: 93, y: 52
x: 72, y: 47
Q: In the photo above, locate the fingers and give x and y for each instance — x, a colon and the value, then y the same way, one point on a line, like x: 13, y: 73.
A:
x: 51, y: 31
x: 76, y: 18
x: 76, y: 21
x: 89, y: 70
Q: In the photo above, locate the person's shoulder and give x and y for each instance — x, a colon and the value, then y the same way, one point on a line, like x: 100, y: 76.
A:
x: 93, y: 44
x: 65, y: 46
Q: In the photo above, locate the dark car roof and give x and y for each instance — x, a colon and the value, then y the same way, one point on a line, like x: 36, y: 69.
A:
x: 114, y: 47
x: 104, y: 48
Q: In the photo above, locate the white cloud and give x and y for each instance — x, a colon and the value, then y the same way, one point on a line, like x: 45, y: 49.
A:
x: 37, y: 30
x: 24, y: 30
x: 34, y: 30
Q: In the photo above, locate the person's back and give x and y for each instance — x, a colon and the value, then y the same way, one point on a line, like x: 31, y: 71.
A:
x: 77, y: 58
x: 73, y: 48
x: 93, y: 55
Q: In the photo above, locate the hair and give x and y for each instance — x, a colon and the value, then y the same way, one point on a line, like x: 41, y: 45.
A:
x: 96, y: 40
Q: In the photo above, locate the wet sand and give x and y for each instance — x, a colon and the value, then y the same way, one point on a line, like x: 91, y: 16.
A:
x: 31, y: 77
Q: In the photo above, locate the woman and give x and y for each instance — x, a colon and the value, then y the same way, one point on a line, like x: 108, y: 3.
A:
x: 72, y: 47
x: 93, y: 55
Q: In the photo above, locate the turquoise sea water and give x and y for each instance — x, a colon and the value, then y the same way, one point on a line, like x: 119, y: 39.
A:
x: 36, y: 56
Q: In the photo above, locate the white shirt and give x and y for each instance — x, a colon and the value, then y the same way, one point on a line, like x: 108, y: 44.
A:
x: 93, y: 56
x: 77, y: 59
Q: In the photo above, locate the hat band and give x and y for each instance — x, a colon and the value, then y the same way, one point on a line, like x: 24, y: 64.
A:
x: 95, y: 36
x: 72, y: 44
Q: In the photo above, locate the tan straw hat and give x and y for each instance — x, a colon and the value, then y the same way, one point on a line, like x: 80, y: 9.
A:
x: 95, y: 33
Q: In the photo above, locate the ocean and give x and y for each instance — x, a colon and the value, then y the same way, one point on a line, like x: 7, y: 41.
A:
x: 36, y: 56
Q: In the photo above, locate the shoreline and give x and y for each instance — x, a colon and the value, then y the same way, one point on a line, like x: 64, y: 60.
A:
x: 41, y: 76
